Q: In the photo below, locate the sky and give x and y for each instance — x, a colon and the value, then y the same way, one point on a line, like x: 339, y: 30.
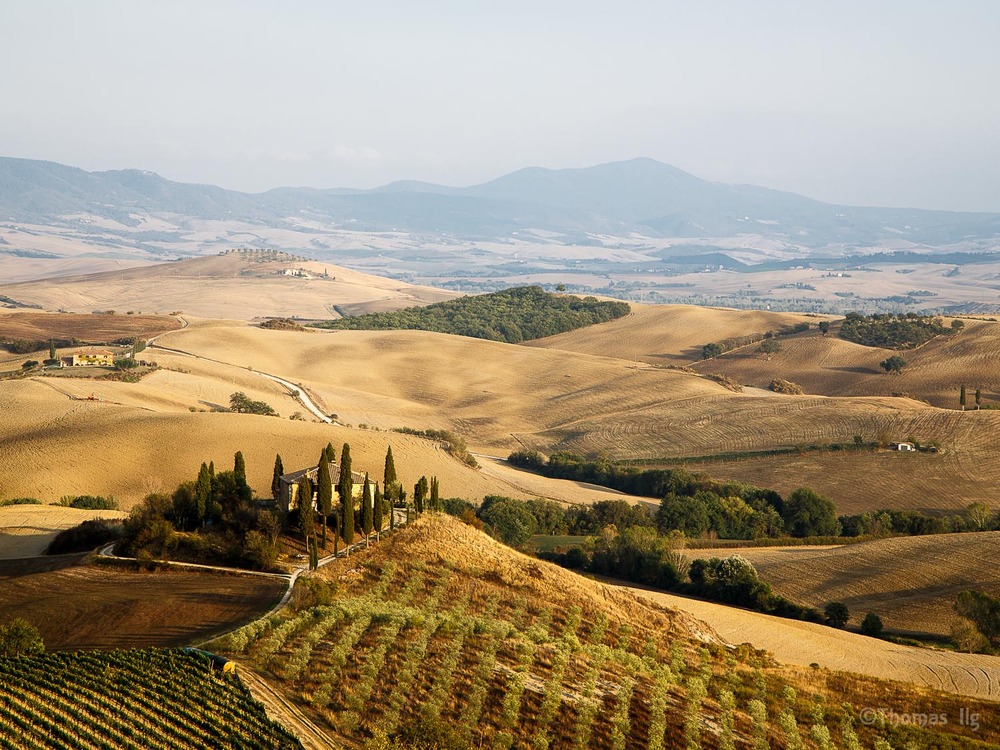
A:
x: 882, y: 102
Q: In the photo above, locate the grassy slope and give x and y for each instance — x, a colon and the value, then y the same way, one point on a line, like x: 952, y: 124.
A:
x: 60, y: 447
x: 426, y: 624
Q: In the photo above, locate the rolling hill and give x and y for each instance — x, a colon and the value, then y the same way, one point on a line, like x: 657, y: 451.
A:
x: 440, y: 634
x: 240, y: 285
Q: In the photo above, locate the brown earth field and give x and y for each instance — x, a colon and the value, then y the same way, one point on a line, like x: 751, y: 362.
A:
x: 40, y: 326
x: 910, y: 582
x: 78, y: 605
x: 26, y: 530
x: 225, y: 286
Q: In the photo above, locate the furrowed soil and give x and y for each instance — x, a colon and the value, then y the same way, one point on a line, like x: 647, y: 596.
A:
x: 77, y: 605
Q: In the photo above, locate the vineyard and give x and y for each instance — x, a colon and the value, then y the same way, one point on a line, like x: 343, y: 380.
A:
x: 134, y: 699
x: 488, y: 648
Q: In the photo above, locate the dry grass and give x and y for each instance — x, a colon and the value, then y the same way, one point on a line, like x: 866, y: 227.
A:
x: 830, y: 366
x: 76, y: 605
x: 502, y: 397
x: 910, y: 582
x: 224, y: 287
x: 62, y: 447
x: 668, y: 334
x: 26, y: 530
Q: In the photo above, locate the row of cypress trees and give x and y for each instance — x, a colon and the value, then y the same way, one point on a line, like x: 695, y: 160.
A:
x: 375, y: 500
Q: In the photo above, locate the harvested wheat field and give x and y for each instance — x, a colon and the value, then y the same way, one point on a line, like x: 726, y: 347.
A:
x: 806, y: 643
x: 26, y: 530
x: 441, y: 631
x: 76, y: 605
x: 859, y: 481
x: 225, y: 286
x: 669, y: 334
x: 830, y: 366
x: 502, y: 397
x: 67, y: 447
x: 910, y: 582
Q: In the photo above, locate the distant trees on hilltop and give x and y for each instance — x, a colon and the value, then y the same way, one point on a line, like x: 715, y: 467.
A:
x: 887, y: 331
x: 511, y: 315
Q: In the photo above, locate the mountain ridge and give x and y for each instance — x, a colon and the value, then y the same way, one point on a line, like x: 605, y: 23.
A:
x: 641, y: 196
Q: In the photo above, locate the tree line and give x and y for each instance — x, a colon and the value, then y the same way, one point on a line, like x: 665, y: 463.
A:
x: 697, y: 505
x: 512, y: 315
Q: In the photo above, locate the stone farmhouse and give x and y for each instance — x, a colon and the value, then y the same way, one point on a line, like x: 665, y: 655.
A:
x: 89, y: 359
x: 288, y: 498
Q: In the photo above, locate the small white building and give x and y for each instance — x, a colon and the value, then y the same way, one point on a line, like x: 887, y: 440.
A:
x: 902, y: 447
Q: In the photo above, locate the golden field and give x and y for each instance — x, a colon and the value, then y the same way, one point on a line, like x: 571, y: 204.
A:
x: 502, y: 397
x: 224, y: 286
x: 26, y: 530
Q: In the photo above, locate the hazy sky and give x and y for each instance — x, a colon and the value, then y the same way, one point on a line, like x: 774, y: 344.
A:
x: 892, y: 102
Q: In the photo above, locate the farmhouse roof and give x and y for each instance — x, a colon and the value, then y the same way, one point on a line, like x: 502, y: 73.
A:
x: 295, y: 476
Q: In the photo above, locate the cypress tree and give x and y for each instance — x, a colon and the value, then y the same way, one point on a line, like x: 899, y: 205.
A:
x: 420, y: 494
x: 961, y: 398
x: 279, y: 469
x: 435, y: 495
x: 377, y: 510
x: 203, y: 492
x: 346, y: 489
x: 324, y: 491
x: 307, y: 514
x: 979, y: 398
x: 52, y: 349
x: 240, y: 471
x: 331, y: 453
x: 367, y: 511
x: 389, y: 478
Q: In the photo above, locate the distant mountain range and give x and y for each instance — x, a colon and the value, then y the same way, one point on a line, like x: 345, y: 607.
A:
x: 640, y: 196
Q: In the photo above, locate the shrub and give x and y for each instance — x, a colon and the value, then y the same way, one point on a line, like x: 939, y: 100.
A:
x: 89, y: 502
x: 87, y: 536
x: 20, y: 501
x: 872, y: 625
x: 20, y: 638
x: 836, y: 614
x: 780, y: 385
x: 240, y: 403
